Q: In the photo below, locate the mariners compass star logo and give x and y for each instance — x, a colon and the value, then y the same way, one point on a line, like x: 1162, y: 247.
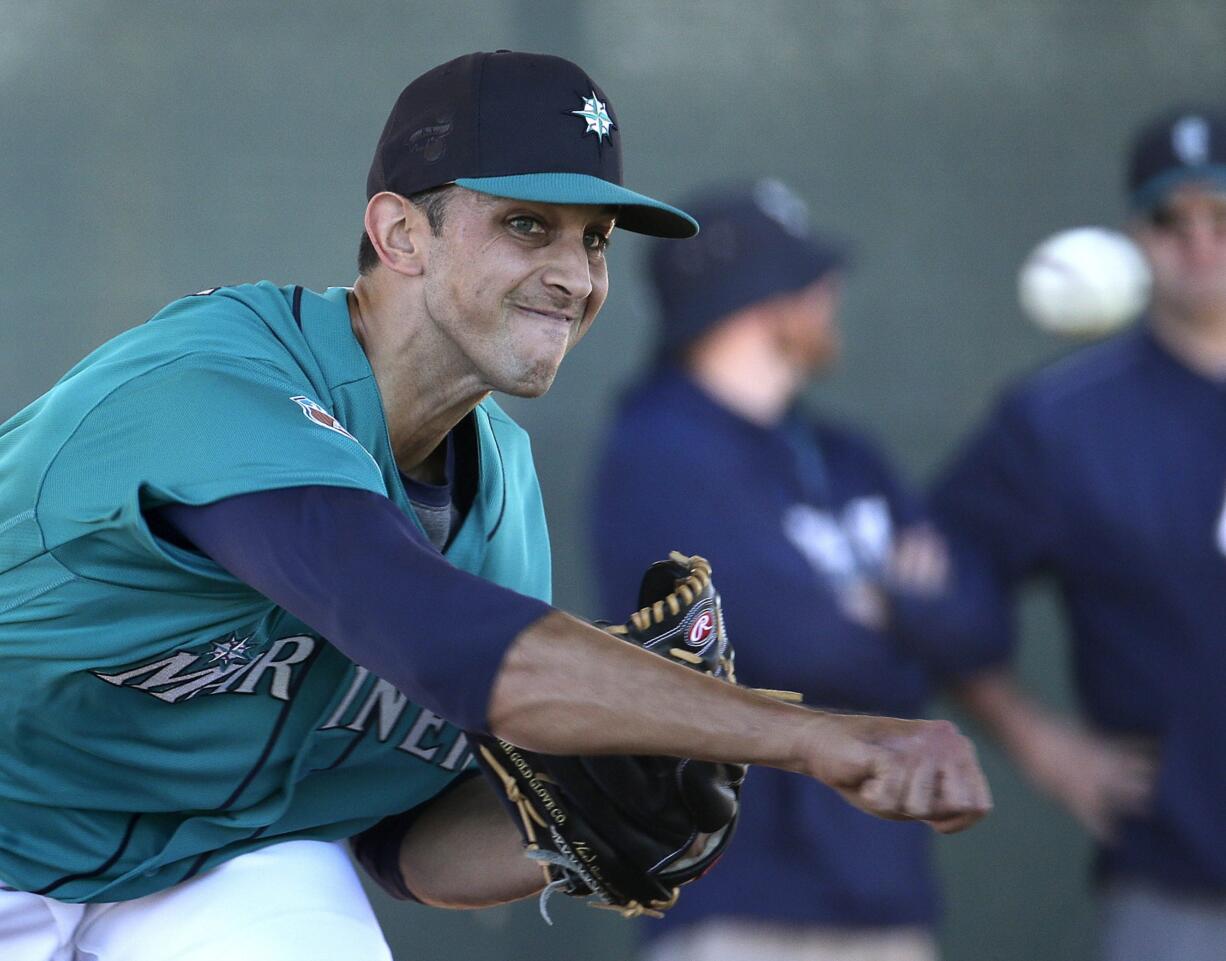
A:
x: 598, y: 120
x: 233, y: 650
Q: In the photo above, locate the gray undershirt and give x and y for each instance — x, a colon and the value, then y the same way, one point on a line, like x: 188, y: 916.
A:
x: 436, y: 519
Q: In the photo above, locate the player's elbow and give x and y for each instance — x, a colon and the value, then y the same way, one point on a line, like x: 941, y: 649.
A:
x: 460, y: 900
x: 476, y: 884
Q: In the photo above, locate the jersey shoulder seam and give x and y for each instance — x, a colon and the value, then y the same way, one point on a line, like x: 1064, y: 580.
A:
x: 100, y: 401
x: 65, y: 578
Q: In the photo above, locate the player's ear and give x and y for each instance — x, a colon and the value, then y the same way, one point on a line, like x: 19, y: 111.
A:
x: 396, y: 230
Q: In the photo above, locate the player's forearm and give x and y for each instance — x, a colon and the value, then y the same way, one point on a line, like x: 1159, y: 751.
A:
x: 566, y: 687
x: 463, y: 852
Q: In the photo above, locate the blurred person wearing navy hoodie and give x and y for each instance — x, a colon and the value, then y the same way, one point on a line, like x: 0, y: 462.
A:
x: 1106, y: 473
x: 834, y: 582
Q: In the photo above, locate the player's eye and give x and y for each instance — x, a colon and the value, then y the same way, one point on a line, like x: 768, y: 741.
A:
x: 525, y: 225
x: 1163, y: 217
x: 1171, y: 219
x: 597, y: 241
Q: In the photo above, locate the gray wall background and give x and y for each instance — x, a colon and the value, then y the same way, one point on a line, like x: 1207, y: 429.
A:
x: 152, y: 149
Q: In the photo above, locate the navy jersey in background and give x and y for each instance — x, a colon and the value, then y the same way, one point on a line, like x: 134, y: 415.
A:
x: 791, y: 518
x: 1107, y: 471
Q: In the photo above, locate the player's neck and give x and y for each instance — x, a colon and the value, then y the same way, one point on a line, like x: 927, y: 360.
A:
x: 1197, y: 342
x: 423, y: 397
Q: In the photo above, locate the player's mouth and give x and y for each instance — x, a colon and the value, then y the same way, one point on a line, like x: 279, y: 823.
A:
x: 554, y: 314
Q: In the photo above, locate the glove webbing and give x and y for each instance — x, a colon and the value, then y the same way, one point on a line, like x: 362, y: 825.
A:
x: 688, y: 589
x: 686, y: 592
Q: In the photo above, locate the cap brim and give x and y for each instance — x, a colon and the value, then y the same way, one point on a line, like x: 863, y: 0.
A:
x: 1154, y: 191
x: 636, y: 212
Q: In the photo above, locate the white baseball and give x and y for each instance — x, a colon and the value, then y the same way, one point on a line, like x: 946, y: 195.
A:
x: 1083, y: 282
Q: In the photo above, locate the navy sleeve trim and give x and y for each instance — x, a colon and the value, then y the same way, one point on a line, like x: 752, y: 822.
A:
x: 350, y: 564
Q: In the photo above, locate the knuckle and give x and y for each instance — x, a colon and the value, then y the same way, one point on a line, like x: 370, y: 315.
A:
x: 945, y: 729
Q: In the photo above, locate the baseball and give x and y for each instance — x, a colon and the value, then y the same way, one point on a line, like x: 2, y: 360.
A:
x: 1083, y: 282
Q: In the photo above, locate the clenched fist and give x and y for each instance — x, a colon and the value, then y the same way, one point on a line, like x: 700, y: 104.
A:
x: 900, y: 769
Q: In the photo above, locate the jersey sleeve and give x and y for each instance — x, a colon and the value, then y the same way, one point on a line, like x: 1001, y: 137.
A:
x: 195, y: 430
x: 996, y: 501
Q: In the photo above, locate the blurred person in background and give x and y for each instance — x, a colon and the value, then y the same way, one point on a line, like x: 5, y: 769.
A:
x: 831, y: 575
x: 1107, y: 472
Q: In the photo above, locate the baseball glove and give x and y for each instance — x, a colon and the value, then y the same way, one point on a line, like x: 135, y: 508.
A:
x: 627, y: 831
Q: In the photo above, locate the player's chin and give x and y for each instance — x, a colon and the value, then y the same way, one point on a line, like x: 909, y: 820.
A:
x: 532, y: 380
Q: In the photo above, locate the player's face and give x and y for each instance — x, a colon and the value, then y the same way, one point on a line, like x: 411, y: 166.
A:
x: 1185, y: 241
x: 516, y: 284
x: 805, y: 325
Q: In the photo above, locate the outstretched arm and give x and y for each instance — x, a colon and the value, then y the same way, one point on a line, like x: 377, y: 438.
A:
x: 490, y: 659
x: 565, y: 687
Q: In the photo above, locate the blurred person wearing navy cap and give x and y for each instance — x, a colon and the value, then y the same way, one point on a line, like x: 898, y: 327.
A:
x: 265, y: 558
x: 835, y: 585
x: 1106, y: 474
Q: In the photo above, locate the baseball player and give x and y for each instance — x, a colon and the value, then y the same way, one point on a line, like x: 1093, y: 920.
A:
x: 1107, y: 472
x: 861, y: 610
x: 264, y: 558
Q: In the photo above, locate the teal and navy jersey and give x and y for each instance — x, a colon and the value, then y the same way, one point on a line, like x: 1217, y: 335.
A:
x: 1106, y: 472
x: 161, y: 715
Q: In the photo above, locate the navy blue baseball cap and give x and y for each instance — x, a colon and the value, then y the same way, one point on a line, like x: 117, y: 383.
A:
x: 523, y: 125
x: 755, y: 244
x: 1182, y: 146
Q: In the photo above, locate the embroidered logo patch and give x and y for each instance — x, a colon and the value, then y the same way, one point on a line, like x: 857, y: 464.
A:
x: 320, y: 416
x: 597, y: 117
x: 701, y: 630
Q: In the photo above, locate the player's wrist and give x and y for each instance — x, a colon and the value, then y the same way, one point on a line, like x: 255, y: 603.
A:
x: 829, y: 748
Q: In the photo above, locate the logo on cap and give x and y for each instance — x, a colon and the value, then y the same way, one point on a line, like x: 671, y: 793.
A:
x: 783, y: 205
x: 1190, y: 140
x: 598, y: 120
x: 430, y: 142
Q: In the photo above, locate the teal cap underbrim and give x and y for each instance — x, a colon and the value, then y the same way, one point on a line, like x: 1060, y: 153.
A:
x: 636, y: 212
x: 1155, y: 190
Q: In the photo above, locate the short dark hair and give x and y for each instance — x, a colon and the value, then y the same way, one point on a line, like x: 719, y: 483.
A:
x: 433, y: 202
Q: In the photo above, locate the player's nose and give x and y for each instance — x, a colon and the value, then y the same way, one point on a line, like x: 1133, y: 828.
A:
x: 569, y: 270
x: 1203, y: 238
